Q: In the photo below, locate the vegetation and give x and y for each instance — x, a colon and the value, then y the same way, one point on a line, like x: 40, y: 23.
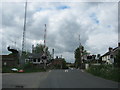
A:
x: 105, y: 71
x: 64, y: 66
x: 7, y: 69
x: 77, y: 57
x: 30, y: 68
x: 39, y: 48
x: 77, y: 53
x: 117, y: 60
x: 27, y: 69
x: 25, y: 54
x: 61, y: 65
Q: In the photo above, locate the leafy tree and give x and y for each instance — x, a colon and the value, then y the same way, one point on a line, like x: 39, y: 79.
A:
x: 78, y: 52
x: 39, y: 48
x: 64, y: 66
x: 25, y: 54
x: 77, y: 58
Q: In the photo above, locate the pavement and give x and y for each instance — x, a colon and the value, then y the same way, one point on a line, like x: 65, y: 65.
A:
x: 56, y: 79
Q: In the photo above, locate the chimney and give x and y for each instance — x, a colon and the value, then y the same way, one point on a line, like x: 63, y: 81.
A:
x: 118, y: 44
x: 61, y: 56
x: 56, y: 57
x: 110, y: 49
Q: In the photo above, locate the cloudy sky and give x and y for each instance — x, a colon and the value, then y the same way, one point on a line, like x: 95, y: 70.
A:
x: 96, y: 22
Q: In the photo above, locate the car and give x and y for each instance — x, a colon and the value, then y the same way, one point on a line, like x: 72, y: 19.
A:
x: 14, y: 69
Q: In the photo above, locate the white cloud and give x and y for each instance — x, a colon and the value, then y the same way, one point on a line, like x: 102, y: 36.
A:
x: 95, y: 22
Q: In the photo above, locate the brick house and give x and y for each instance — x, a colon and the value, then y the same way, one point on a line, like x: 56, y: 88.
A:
x: 9, y: 60
x: 57, y: 62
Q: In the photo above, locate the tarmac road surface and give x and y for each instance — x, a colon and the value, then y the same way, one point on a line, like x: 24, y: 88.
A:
x: 56, y: 79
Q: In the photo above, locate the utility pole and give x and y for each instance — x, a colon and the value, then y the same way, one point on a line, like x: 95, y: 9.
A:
x: 45, y: 37
x: 80, y: 52
x: 24, y: 33
x: 52, y: 53
x: 45, y: 54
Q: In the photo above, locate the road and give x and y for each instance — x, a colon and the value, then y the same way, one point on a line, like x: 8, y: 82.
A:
x: 0, y: 81
x: 57, y: 79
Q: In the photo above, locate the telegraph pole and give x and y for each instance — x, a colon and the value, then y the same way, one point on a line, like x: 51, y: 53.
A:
x: 80, y: 52
x: 45, y: 36
x: 24, y: 29
x: 24, y: 33
x: 45, y: 55
x: 52, y: 53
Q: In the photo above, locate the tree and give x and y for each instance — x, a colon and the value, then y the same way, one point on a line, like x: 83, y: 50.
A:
x: 64, y: 66
x: 80, y: 52
x: 25, y: 54
x: 77, y: 58
x: 117, y: 59
x: 39, y: 48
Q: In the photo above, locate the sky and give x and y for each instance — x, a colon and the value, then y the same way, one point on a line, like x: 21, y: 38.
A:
x: 95, y: 22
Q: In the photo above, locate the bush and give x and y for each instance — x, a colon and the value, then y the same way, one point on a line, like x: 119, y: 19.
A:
x: 28, y: 65
x: 30, y: 68
x: 7, y: 69
x: 105, y: 71
x: 27, y: 68
x: 57, y: 66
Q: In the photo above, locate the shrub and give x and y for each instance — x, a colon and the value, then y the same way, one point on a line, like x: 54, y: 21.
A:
x: 105, y: 71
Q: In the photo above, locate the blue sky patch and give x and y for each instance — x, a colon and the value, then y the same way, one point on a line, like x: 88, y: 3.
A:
x: 59, y: 8
x: 94, y: 18
x: 109, y: 26
x: 40, y: 9
x: 63, y: 7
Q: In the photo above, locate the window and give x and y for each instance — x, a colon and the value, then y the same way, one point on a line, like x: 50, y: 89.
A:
x: 38, y: 60
x: 34, y: 60
x: 111, y: 56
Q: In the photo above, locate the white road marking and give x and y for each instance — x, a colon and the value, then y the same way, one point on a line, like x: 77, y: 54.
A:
x: 66, y: 70
x: 49, y: 70
x: 82, y: 70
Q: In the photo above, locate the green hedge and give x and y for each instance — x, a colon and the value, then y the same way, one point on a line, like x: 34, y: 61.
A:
x: 105, y: 71
x: 27, y: 69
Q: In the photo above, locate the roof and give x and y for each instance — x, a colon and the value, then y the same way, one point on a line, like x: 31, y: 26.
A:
x: 114, y: 51
x: 35, y: 55
x: 7, y: 57
x: 108, y: 53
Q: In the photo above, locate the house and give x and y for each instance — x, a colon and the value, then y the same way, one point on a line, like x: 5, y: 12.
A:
x: 57, y: 62
x: 38, y: 59
x: 109, y: 57
x: 35, y: 58
x: 9, y: 60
